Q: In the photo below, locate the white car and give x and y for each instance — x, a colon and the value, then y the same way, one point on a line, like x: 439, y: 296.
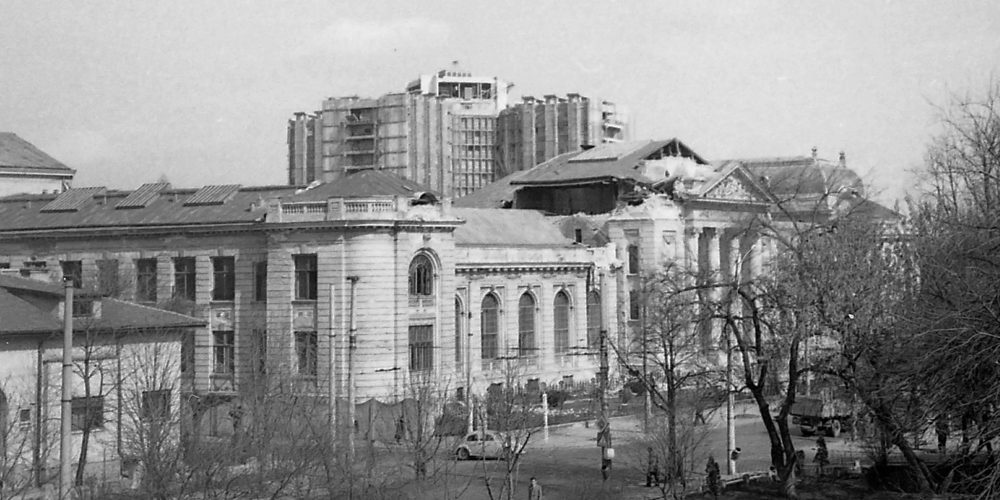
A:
x: 485, y: 444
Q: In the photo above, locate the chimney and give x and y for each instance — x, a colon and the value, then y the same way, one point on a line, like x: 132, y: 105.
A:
x: 814, y: 153
x: 843, y: 160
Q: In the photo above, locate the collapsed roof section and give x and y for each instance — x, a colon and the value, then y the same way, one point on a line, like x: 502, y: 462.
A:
x: 599, y: 179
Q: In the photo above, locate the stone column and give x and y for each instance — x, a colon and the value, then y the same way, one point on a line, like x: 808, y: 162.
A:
x: 735, y: 258
x: 756, y: 256
x: 714, y: 264
x: 691, y: 235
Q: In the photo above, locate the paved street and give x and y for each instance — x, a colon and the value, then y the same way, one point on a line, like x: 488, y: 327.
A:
x: 567, y: 464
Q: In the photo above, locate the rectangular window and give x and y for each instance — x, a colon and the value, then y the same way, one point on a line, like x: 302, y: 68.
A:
x: 24, y: 416
x: 83, y: 307
x: 145, y: 280
x: 223, y: 278
x: 107, y: 278
x: 305, y: 277
x: 633, y: 305
x: 187, y: 352
x: 633, y: 259
x: 184, y: 278
x: 259, y: 354
x: 73, y: 271
x: 421, y: 348
x: 87, y: 413
x: 224, y: 347
x: 260, y: 281
x: 155, y: 405
x: 307, y: 351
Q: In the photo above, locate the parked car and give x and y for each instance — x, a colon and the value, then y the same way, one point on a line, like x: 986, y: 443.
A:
x: 486, y: 444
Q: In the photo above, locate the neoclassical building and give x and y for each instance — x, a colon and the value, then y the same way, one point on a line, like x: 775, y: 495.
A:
x: 358, y: 287
x: 361, y: 287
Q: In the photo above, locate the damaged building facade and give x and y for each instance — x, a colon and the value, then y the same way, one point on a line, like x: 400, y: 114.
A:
x: 450, y: 131
x: 362, y: 286
x: 658, y: 203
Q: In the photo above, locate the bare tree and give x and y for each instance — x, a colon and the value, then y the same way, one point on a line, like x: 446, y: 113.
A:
x: 668, y: 358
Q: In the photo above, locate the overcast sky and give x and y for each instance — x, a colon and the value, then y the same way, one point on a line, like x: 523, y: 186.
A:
x: 199, y: 91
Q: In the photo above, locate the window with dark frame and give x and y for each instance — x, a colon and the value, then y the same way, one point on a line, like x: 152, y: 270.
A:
x: 421, y: 276
x: 526, y: 325
x: 593, y: 319
x: 155, y: 405
x: 633, y: 259
x: 73, y: 271
x: 306, y: 347
x: 87, y: 413
x: 560, y: 322
x: 260, y: 281
x: 634, y: 305
x: 224, y: 350
x: 305, y: 277
x: 459, y: 324
x: 223, y: 278
x: 184, y: 278
x: 145, y: 280
x: 259, y: 362
x: 421, y: 348
x: 108, y: 284
x: 187, y: 352
x: 490, y: 326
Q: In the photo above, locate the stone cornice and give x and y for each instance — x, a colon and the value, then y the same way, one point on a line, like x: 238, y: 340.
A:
x: 508, y: 267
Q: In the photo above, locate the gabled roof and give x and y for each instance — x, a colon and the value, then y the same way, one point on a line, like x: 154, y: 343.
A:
x: 19, y: 155
x: 800, y: 175
x: 604, y: 162
x: 362, y: 184
x: 507, y: 227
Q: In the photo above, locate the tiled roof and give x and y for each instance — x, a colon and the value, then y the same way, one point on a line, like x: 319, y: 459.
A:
x: 120, y: 315
x: 503, y: 227
x: 19, y: 155
x: 606, y: 161
x: 800, y: 175
x: 166, y: 208
x: 362, y: 184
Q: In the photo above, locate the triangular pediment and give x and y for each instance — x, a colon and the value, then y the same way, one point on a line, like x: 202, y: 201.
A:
x: 735, y: 185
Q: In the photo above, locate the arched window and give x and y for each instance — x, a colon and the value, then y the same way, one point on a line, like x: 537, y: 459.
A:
x: 459, y: 323
x: 526, y: 325
x: 561, y: 322
x: 421, y: 276
x: 593, y: 319
x: 490, y: 322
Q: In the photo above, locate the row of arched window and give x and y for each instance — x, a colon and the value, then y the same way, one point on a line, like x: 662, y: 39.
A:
x: 527, y: 329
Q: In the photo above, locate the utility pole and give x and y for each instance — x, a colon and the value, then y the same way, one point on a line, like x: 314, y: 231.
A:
x: 603, y: 424
x: 65, y: 461
x: 351, y: 380
x: 730, y: 404
x: 333, y: 365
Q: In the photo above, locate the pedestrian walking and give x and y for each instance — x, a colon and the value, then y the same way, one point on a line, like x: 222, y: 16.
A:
x: 534, y: 490
x: 822, y: 454
x: 713, y: 477
x: 652, y: 468
x: 942, y: 430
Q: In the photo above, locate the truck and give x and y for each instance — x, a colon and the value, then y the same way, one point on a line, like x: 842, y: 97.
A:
x: 822, y: 414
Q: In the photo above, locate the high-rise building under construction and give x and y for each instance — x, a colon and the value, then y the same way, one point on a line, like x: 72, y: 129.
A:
x: 450, y: 131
